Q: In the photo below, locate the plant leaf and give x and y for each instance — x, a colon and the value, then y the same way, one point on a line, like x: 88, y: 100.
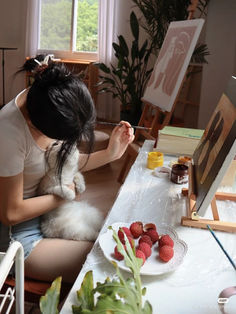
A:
x: 143, y: 49
x: 49, y: 302
x: 117, y: 49
x: 107, y: 304
x: 123, y: 46
x: 147, y: 309
x: 134, y: 25
x: 103, y: 67
x: 85, y: 294
x: 134, y: 50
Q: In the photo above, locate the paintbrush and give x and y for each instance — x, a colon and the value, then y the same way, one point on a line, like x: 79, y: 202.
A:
x: 120, y: 124
x: 221, y: 246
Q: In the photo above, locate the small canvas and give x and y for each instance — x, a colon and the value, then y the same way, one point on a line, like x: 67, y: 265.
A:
x: 172, y: 63
x: 216, y: 149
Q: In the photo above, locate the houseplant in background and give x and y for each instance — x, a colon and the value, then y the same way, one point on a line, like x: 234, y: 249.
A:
x: 127, y: 78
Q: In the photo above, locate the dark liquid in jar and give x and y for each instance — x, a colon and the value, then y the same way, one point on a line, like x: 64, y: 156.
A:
x: 179, y: 174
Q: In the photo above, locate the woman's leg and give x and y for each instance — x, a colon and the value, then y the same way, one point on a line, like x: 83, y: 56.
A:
x: 57, y: 257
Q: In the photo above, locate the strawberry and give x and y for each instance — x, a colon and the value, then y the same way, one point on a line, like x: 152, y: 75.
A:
x: 166, y: 253
x: 149, y: 226
x: 121, y: 232
x: 141, y: 255
x: 166, y: 240
x: 153, y: 235
x: 117, y: 254
x: 145, y: 248
x: 136, y: 229
x: 145, y: 238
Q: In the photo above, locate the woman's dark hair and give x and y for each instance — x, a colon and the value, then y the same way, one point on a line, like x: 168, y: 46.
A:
x: 60, y: 106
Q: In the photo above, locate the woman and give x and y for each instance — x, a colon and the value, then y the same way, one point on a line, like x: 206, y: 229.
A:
x: 57, y: 106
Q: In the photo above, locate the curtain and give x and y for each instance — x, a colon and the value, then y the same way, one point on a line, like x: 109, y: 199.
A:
x: 107, y: 107
x: 32, y: 30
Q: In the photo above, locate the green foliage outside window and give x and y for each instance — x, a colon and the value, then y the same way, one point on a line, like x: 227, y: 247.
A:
x: 87, y: 26
x: 55, y: 30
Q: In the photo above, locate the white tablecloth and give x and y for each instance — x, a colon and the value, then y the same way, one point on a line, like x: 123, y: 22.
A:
x: 195, y: 285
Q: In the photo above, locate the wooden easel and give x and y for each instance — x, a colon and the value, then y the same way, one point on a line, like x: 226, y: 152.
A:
x: 193, y: 220
x: 154, y: 119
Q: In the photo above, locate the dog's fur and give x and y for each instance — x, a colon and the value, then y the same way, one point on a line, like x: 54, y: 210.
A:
x: 73, y: 220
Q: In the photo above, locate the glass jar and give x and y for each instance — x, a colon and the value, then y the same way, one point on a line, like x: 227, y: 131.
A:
x: 155, y: 159
x: 179, y: 174
x: 185, y: 160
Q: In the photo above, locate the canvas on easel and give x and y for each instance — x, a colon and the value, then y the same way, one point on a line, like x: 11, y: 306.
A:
x: 211, y: 159
x: 172, y: 62
x: 164, y: 85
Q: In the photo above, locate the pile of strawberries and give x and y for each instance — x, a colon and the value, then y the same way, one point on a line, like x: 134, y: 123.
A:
x: 146, y: 236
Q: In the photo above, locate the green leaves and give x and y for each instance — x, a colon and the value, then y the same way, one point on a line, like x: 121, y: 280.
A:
x: 85, y: 295
x: 134, y: 26
x: 119, y: 296
x: 49, y: 302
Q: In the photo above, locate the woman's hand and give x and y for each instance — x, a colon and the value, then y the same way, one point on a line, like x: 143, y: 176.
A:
x: 121, y: 137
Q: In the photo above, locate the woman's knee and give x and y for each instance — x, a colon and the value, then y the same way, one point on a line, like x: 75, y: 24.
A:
x: 57, y: 257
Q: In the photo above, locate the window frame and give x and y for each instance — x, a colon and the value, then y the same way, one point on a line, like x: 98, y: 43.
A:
x: 68, y: 54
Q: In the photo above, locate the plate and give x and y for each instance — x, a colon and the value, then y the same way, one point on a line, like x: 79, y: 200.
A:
x: 153, y: 265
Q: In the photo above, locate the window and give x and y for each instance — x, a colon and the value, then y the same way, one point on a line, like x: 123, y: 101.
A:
x: 69, y: 28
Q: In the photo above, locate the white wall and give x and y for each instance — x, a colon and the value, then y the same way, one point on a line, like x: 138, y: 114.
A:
x: 221, y: 41
x: 12, y: 34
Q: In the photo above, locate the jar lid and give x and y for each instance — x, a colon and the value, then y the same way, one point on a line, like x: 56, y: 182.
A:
x: 155, y: 155
x: 179, y: 168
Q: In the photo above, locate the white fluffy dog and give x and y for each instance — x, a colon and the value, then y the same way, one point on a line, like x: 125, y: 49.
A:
x: 72, y: 220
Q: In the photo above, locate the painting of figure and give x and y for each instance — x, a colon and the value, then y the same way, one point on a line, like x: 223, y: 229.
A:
x: 172, y: 63
x: 216, y: 149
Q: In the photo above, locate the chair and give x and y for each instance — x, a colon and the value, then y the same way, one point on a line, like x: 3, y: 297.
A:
x: 18, y: 288
x: 34, y: 289
x: 15, y: 253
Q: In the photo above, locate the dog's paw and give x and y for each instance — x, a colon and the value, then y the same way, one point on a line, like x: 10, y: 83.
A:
x: 79, y: 182
x: 67, y: 193
x: 63, y: 191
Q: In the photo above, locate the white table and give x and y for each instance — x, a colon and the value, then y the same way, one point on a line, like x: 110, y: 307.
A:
x: 194, y: 287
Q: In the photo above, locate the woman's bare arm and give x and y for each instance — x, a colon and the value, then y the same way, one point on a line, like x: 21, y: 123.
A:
x: 120, y: 138
x: 14, y: 209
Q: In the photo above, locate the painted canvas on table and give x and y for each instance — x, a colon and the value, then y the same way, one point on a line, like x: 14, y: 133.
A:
x: 172, y: 63
x: 216, y: 149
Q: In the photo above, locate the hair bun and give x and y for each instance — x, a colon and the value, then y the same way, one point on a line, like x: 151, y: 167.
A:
x: 32, y: 64
x: 53, y: 74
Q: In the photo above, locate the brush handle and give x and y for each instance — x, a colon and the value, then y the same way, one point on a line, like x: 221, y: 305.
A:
x: 120, y: 124
x: 221, y: 246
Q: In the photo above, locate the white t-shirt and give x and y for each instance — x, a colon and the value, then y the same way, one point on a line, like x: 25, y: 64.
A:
x: 18, y: 149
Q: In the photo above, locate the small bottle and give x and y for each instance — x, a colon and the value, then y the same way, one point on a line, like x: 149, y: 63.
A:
x: 155, y: 159
x: 179, y: 174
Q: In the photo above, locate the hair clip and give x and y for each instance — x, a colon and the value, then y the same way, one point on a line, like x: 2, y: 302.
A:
x: 37, y: 61
x: 46, y: 59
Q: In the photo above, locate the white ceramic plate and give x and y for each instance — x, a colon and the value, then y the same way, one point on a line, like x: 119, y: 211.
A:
x: 153, y: 265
